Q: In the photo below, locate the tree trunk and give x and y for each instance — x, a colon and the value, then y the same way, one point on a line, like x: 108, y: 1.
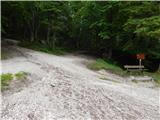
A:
x: 32, y: 28
x: 32, y: 36
x: 48, y: 35
x: 110, y: 53
x: 53, y: 40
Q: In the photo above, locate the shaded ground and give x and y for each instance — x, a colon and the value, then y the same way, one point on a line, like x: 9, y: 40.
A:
x: 64, y: 89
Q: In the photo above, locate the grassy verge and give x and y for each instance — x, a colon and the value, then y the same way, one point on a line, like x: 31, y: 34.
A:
x: 42, y: 48
x: 20, y: 75
x: 156, y: 76
x: 102, y: 64
x: 8, y: 77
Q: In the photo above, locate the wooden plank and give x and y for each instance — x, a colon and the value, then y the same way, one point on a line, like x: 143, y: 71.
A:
x: 133, y: 66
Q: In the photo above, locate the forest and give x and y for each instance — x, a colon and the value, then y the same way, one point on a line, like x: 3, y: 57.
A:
x: 80, y: 60
x: 112, y: 30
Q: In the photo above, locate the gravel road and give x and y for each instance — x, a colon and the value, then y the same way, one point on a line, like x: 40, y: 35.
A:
x: 67, y: 90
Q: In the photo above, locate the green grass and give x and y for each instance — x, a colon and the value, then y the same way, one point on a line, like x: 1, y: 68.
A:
x: 20, y: 75
x: 55, y: 51
x: 156, y: 76
x: 104, y: 78
x: 101, y: 64
x: 42, y: 48
x: 6, y: 78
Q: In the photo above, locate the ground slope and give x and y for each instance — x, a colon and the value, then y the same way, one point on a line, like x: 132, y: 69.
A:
x: 67, y: 90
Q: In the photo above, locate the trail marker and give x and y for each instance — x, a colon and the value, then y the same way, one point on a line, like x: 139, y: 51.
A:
x: 140, y: 57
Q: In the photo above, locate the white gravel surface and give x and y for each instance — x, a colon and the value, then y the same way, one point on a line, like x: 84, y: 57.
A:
x: 67, y: 90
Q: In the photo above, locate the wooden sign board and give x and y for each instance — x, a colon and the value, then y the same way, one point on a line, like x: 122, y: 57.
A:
x: 141, y: 56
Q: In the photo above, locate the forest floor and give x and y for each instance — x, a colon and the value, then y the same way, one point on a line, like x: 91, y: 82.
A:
x: 63, y: 88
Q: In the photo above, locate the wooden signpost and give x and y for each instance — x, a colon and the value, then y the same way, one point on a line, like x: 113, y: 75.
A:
x: 139, y: 67
x: 140, y: 57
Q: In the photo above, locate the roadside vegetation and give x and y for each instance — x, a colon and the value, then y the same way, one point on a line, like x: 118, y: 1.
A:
x: 8, y: 77
x: 20, y: 75
x: 155, y: 75
x: 107, y: 65
x: 43, y: 48
x: 114, y: 29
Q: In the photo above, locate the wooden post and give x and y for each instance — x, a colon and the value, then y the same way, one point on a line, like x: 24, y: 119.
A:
x: 140, y: 62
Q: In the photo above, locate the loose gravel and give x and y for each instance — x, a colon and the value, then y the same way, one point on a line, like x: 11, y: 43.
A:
x: 67, y: 90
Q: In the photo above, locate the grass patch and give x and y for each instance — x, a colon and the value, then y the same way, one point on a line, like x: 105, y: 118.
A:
x: 104, y: 78
x: 43, y: 48
x: 55, y: 51
x: 6, y: 78
x: 156, y: 76
x: 20, y: 75
x: 102, y: 64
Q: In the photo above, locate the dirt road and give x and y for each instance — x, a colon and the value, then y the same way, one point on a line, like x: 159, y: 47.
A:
x: 67, y: 90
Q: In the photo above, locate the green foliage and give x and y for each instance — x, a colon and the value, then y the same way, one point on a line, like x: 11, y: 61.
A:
x: 5, y: 78
x: 96, y: 26
x: 8, y: 77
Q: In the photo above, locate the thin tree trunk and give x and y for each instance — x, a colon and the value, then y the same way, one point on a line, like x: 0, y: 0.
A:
x: 32, y: 36
x: 110, y: 53
x: 48, y: 35
x: 53, y: 40
x: 159, y: 68
x: 30, y: 31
